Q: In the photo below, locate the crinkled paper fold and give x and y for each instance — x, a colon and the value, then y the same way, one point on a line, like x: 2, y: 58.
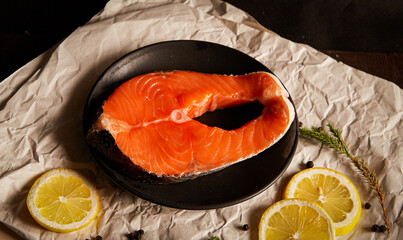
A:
x: 42, y: 105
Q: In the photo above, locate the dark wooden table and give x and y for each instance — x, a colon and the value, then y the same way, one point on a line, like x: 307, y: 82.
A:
x: 388, y: 66
x: 366, y: 35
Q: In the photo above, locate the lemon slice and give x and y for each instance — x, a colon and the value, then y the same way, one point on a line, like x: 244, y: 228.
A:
x: 296, y: 219
x: 62, y: 200
x: 333, y: 191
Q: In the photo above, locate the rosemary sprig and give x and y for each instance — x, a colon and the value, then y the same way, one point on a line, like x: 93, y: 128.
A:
x: 336, y: 142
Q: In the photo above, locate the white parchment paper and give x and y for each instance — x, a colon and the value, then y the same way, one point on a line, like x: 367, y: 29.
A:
x: 42, y: 103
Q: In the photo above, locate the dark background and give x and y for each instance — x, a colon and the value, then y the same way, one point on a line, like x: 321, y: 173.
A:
x: 29, y: 28
x: 366, y: 34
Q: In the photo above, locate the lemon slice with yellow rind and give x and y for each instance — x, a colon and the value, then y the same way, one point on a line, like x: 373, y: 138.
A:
x: 296, y: 219
x: 333, y: 191
x: 62, y: 200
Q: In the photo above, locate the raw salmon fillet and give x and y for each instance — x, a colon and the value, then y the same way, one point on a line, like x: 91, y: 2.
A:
x: 151, y: 120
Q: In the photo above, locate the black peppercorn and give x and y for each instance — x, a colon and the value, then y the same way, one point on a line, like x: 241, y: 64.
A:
x: 245, y: 227
x: 309, y: 164
x: 131, y: 236
x: 299, y: 124
x: 375, y: 228
x: 382, y: 228
x: 136, y: 235
x: 367, y: 205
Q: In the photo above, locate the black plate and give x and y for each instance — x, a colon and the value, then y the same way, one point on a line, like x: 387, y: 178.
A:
x: 229, y: 186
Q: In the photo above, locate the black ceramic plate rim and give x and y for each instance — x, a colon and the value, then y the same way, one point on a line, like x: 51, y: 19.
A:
x: 115, y: 177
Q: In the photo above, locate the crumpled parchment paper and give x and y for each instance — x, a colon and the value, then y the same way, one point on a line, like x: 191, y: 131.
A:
x: 42, y: 103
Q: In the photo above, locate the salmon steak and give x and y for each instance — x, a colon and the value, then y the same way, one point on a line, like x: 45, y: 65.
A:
x: 149, y: 123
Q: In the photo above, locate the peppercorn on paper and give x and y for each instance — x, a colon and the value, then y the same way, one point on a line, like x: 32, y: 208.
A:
x: 42, y: 105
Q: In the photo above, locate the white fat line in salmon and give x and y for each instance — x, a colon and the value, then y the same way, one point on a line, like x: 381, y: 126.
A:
x: 114, y: 126
x: 106, y: 122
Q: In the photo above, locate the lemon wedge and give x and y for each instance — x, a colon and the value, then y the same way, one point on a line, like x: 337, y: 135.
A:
x: 296, y: 219
x: 333, y: 191
x: 62, y: 200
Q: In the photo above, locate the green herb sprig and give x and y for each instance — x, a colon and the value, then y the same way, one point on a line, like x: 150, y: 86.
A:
x: 336, y: 142
x: 213, y: 238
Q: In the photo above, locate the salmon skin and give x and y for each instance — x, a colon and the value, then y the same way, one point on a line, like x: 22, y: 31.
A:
x: 148, y: 123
